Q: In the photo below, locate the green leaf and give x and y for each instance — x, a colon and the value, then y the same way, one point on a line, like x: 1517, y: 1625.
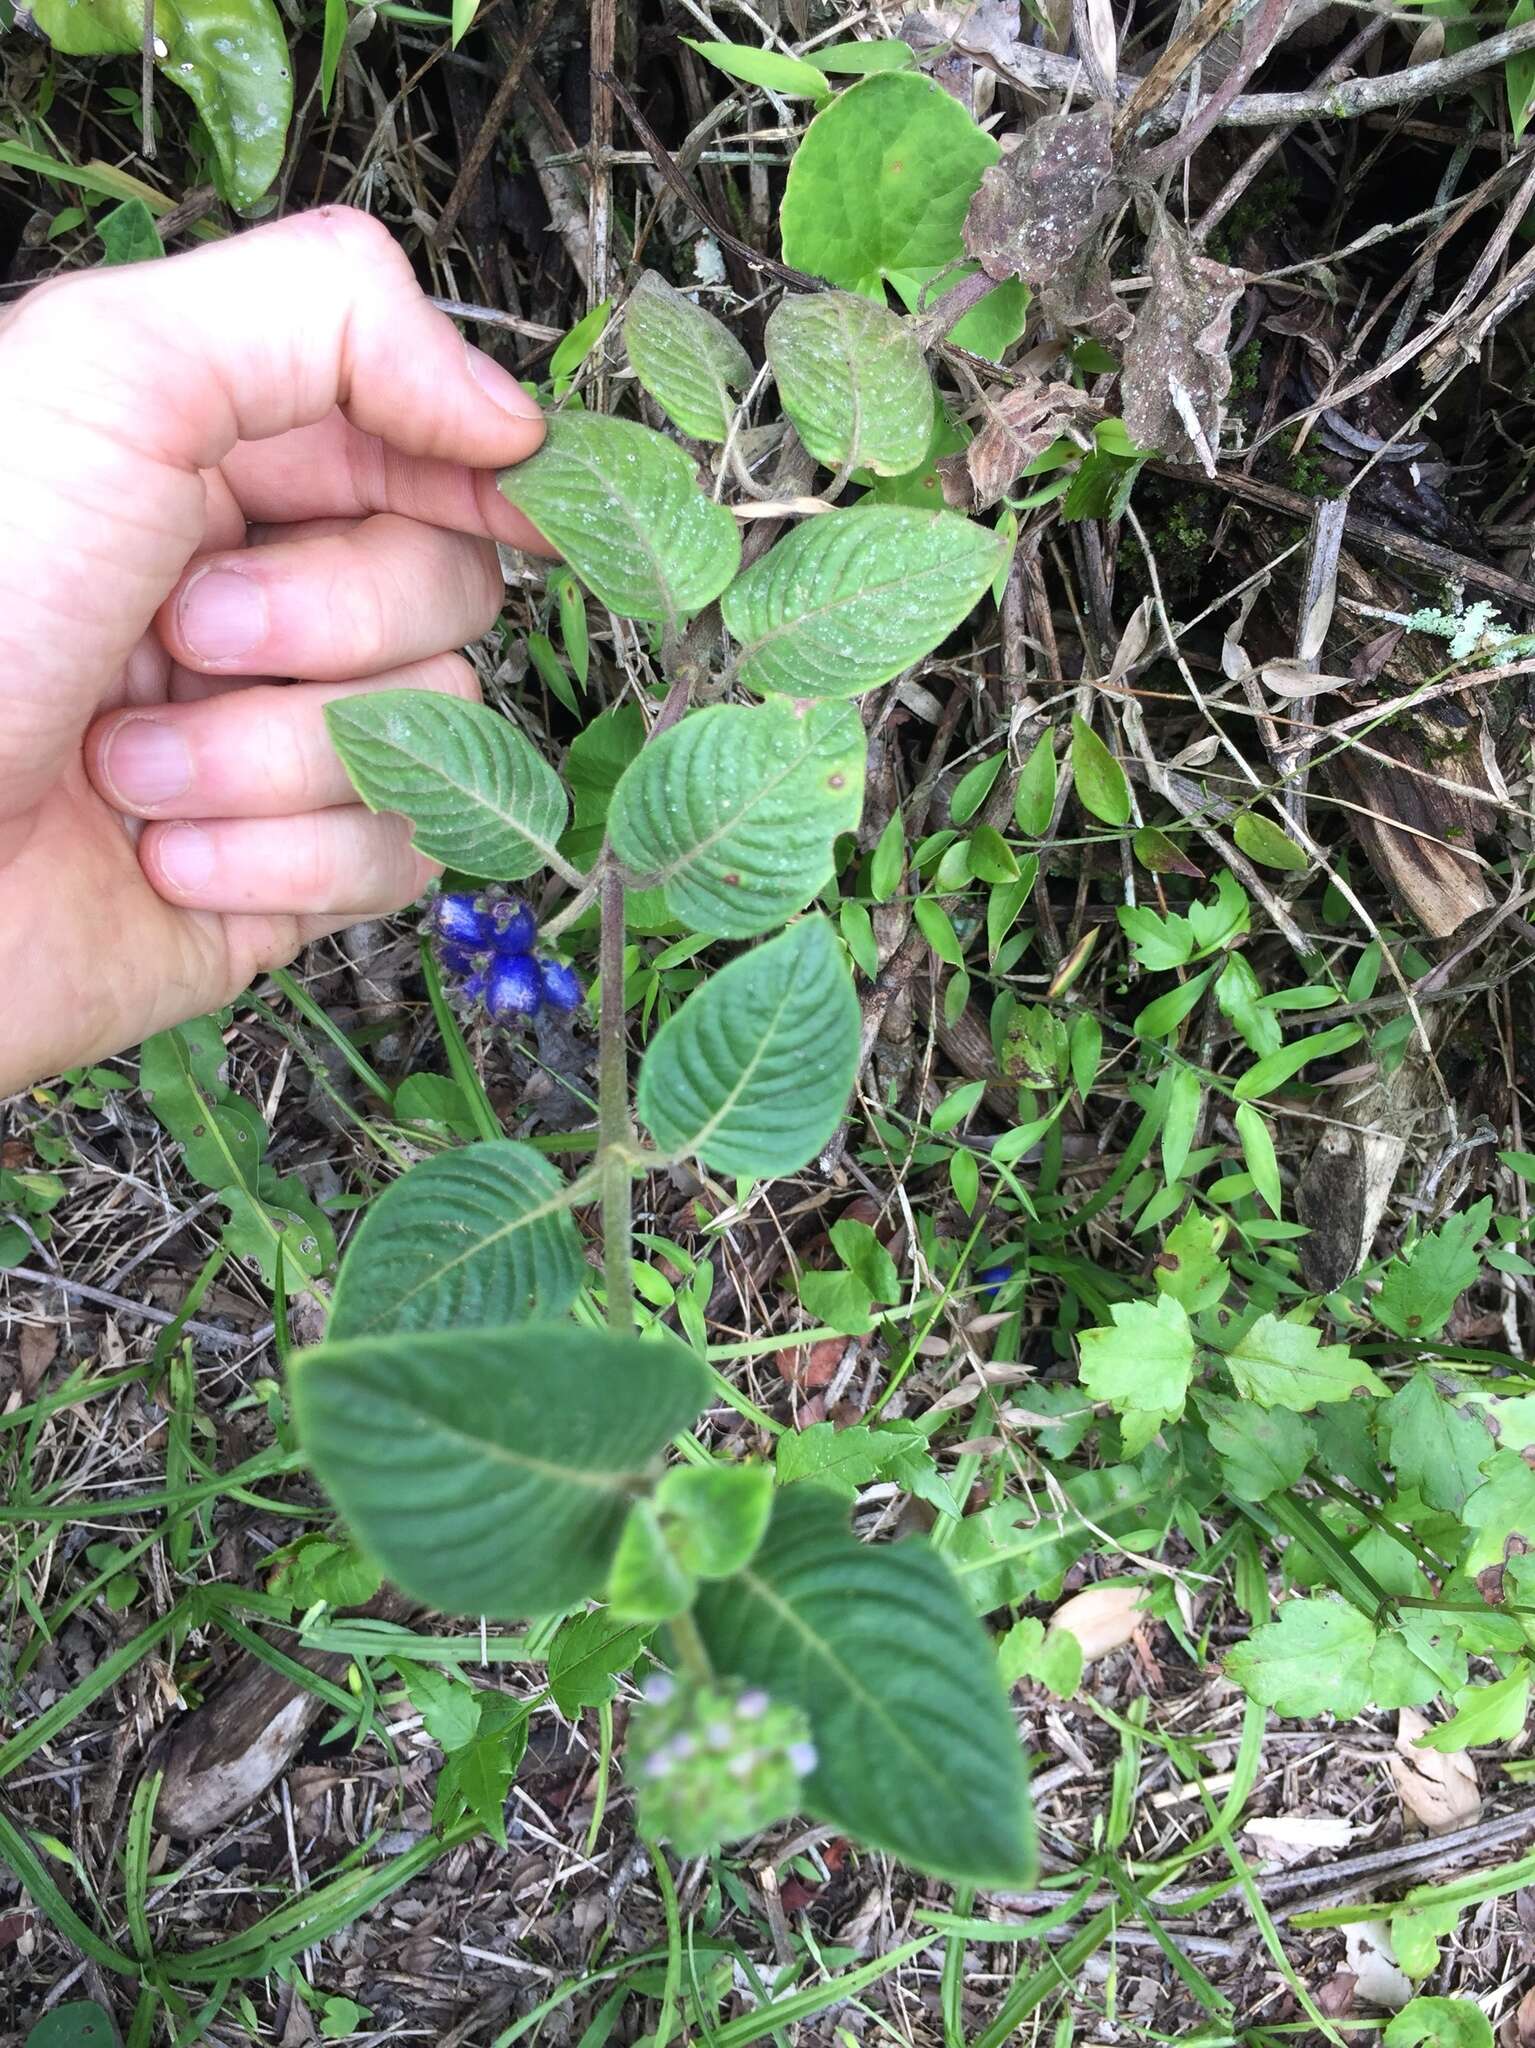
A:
x: 586, y: 1657
x: 1314, y: 1659
x: 1238, y: 994
x: 1286, y: 1365
x: 1223, y: 917
x: 715, y: 1515
x: 1500, y: 1514
x: 491, y: 1471
x: 1185, y: 1092
x: 888, y: 860
x: 843, y: 1459
x: 1483, y: 1714
x: 480, y: 799
x: 1100, y: 781
x: 1160, y: 943
x: 1519, y: 73
x: 82, y: 2023
x: 860, y: 1249
x: 1034, y: 801
x: 838, y: 1299
x: 770, y: 68
x: 861, y: 58
x: 623, y: 507
x: 1439, y: 2022
x: 733, y: 813
x: 1144, y: 1362
x: 577, y: 346
x: 1189, y: 1267
x: 471, y: 1239
x: 852, y: 598
x: 1262, y: 1450
x: 1262, y: 841
x: 753, y: 1073
x: 129, y: 235
x: 1436, y: 1448
x: 881, y: 181
x: 1422, y: 1284
x: 449, y: 1707
x: 915, y: 1745
x: 1271, y: 1073
x: 1258, y: 1152
x: 648, y: 1582
x: 689, y: 362
x: 853, y: 381
x: 230, y: 57
x: 1161, y: 1018
x: 1054, y: 1657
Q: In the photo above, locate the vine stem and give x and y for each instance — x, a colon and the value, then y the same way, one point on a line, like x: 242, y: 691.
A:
x: 614, y: 1131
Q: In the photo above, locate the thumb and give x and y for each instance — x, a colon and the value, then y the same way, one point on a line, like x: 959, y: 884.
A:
x: 118, y: 388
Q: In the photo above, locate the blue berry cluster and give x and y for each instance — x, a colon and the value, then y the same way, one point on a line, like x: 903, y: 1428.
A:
x: 486, y: 942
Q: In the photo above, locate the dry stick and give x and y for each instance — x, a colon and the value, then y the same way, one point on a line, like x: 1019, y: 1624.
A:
x: 1340, y: 67
x: 495, y: 120
x: 99, y: 1297
x: 1181, y: 53
x: 1262, y: 33
x: 1348, y: 100
x: 603, y: 45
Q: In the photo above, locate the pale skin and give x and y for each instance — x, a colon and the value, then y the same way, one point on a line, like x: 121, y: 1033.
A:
x: 234, y: 485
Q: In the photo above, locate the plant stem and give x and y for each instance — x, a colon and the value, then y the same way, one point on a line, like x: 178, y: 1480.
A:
x: 614, y: 1132
x: 689, y: 1645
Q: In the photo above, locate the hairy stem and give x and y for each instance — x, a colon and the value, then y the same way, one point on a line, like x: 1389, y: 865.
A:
x: 614, y: 1132
x: 689, y: 1645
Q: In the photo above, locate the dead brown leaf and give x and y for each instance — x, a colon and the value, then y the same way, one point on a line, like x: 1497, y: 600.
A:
x: 1035, y: 209
x: 1019, y: 426
x: 1437, y: 1787
x: 37, y: 1348
x: 1103, y: 1618
x: 1177, y: 373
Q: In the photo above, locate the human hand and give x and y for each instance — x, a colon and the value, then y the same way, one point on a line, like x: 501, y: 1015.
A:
x: 233, y: 486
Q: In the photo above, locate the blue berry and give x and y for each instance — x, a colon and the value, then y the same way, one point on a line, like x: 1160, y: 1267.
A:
x: 457, y: 959
x: 512, y: 987
x: 993, y: 1279
x: 513, y: 926
x: 464, y: 920
x: 560, y: 987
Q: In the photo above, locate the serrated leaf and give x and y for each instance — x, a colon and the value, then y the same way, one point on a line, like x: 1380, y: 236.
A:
x: 1286, y: 1365
x: 842, y: 1460
x: 1436, y: 1450
x: 623, y: 507
x: 881, y: 182
x: 586, y: 1657
x: 1100, y: 781
x: 733, y: 813
x: 1500, y: 1514
x: 472, y: 1239
x: 1223, y: 916
x: 1420, y: 1286
x: 853, y: 381
x: 491, y: 1471
x: 1262, y: 1450
x: 480, y: 799
x: 688, y: 361
x: 852, y: 598
x: 1144, y: 1362
x: 753, y: 1073
x: 915, y: 1746
x: 1314, y: 1659
x: 1160, y: 942
x: 230, y: 57
x: 1054, y: 1659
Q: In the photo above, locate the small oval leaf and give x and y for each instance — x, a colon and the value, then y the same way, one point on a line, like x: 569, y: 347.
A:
x: 853, y: 381
x: 769, y: 68
x: 1261, y: 840
x: 688, y: 361
x: 623, y: 507
x: 472, y: 1239
x: 480, y: 799
x: 733, y: 812
x: 455, y: 1459
x: 1100, y: 781
x: 848, y: 600
x: 753, y: 1073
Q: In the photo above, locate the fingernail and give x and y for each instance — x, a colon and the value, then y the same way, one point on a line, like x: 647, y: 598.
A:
x: 500, y: 385
x: 184, y: 856
x: 222, y: 615
x: 145, y: 762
